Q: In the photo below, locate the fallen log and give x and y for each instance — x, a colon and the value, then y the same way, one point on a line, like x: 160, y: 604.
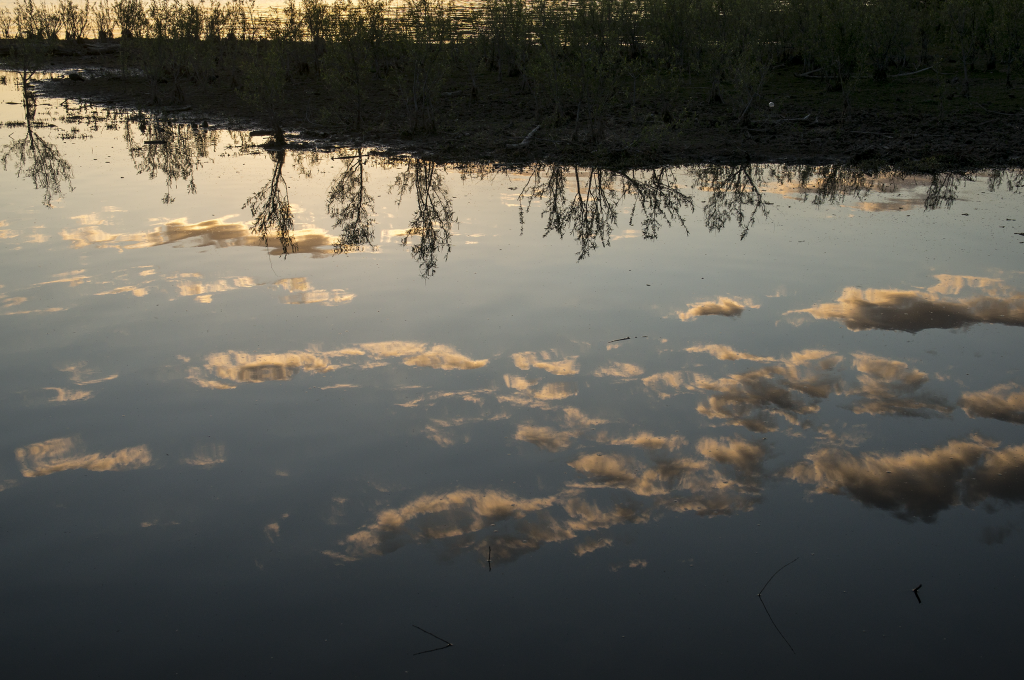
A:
x: 525, y: 141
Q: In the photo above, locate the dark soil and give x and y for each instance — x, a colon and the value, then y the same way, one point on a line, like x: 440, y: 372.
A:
x: 916, y: 123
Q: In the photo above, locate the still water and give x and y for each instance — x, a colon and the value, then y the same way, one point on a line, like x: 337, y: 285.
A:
x: 295, y: 413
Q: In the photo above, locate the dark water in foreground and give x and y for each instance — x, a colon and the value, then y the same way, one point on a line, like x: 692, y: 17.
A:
x: 573, y: 436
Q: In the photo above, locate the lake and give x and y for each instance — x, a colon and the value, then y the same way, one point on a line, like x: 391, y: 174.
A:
x: 308, y: 411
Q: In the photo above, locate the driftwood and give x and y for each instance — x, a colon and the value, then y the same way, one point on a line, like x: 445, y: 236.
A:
x: 526, y: 140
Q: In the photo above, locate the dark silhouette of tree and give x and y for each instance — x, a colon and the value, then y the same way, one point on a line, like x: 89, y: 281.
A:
x: 270, y: 208
x: 434, y: 216
x: 584, y: 203
x: 36, y: 158
x: 350, y: 205
x: 734, y: 190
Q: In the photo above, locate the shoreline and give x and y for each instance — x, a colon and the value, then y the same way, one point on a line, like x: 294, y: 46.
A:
x: 888, y: 126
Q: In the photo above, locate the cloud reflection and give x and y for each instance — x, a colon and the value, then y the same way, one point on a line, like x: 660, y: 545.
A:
x: 206, y: 456
x: 242, y: 367
x: 790, y: 389
x: 219, y: 233
x: 59, y: 455
x: 678, y: 484
x: 454, y: 517
x: 300, y: 292
x: 1000, y: 403
x: 69, y: 395
x: 619, y: 370
x: 590, y: 545
x: 245, y: 367
x: 546, y: 438
x: 722, y: 307
x: 524, y: 361
x: 891, y: 387
x: 919, y: 484
x: 913, y: 311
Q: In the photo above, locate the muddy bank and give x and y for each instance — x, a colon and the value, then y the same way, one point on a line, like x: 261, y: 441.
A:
x: 917, y: 123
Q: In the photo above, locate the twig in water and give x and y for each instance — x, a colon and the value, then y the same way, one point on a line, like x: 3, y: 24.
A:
x: 766, y: 606
x: 621, y: 339
x: 916, y: 595
x: 488, y: 558
x: 436, y: 649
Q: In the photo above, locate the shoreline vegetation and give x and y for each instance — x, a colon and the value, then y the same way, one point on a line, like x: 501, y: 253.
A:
x: 914, y: 85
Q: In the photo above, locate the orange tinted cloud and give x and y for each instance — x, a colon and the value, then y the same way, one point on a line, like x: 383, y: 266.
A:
x: 921, y: 483
x: 913, y: 311
x: 1000, y: 402
x: 722, y: 307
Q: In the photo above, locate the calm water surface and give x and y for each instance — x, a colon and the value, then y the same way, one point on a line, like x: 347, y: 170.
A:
x: 550, y: 417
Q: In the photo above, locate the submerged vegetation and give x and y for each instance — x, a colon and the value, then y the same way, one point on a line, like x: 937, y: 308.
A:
x: 632, y: 80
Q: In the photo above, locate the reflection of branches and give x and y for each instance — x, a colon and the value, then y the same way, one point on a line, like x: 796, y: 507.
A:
x: 590, y: 213
x: 36, y: 158
x: 174, y: 150
x: 270, y: 208
x: 943, y: 189
x: 350, y: 205
x: 658, y: 198
x: 732, y: 188
x: 434, y: 215
x: 1012, y: 177
x: 833, y: 183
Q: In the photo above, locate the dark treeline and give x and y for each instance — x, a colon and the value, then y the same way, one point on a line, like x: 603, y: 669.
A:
x: 575, y: 60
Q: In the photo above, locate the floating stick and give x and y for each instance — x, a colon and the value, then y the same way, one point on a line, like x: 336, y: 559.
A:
x: 766, y: 606
x: 436, y: 649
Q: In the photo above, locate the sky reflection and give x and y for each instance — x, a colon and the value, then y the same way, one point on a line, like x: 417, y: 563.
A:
x: 527, y: 409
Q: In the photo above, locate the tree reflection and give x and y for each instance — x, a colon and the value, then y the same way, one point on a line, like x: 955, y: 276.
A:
x: 734, y: 189
x: 434, y: 216
x: 36, y: 158
x: 350, y: 205
x: 585, y: 202
x: 658, y: 197
x: 1012, y: 178
x: 174, y: 150
x: 942, y: 191
x: 270, y: 208
x: 833, y: 183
